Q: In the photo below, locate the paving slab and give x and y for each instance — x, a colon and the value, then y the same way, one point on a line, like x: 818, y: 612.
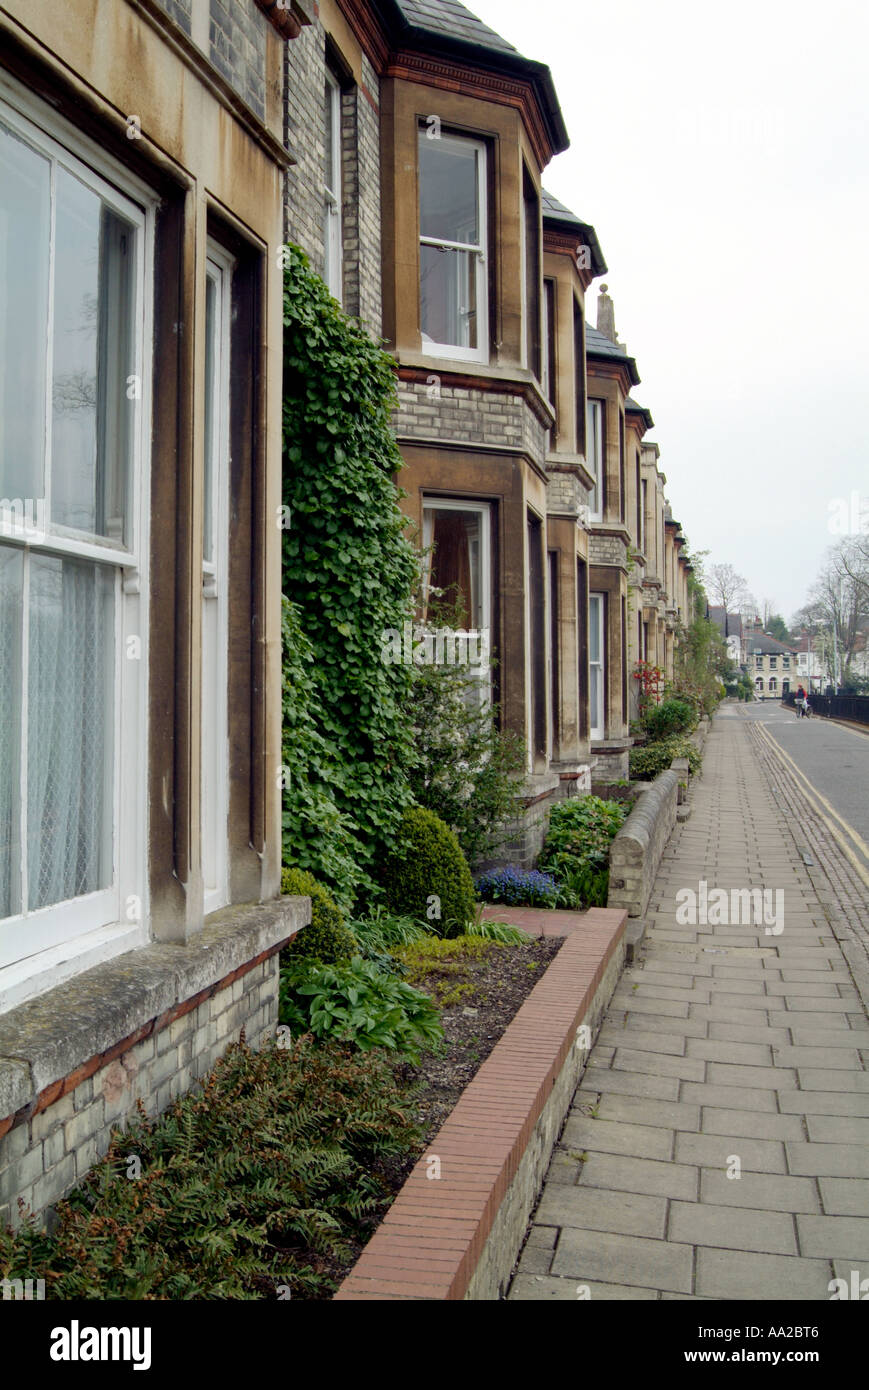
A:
x: 768, y: 1232
x: 627, y: 1260
x: 845, y: 1196
x: 750, y: 1125
x: 846, y: 1237
x: 731, y: 1274
x: 828, y: 1160
x: 624, y: 1213
x: 715, y: 1151
x: 667, y: 1114
x: 763, y: 1191
x: 617, y: 1173
x: 598, y: 1135
x: 532, y: 1289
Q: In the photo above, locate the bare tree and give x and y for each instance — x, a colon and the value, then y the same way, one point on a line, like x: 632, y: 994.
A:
x: 725, y: 585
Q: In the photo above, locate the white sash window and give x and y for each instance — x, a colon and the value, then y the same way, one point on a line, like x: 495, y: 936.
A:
x: 596, y: 665
x: 74, y: 252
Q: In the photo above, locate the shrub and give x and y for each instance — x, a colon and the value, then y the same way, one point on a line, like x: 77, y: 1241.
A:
x: 674, y: 716
x: 467, y: 768
x: 647, y: 763
x: 515, y: 887
x: 326, y: 938
x: 580, y: 832
x: 262, y: 1179
x: 360, y: 1004
x: 425, y: 862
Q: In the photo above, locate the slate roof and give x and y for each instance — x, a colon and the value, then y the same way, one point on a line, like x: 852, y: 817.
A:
x: 598, y: 345
x: 446, y: 27
x: 555, y: 211
x: 769, y: 646
x: 728, y: 624
x: 631, y: 404
x: 450, y: 18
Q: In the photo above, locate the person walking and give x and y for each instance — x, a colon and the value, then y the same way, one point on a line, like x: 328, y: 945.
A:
x: 802, y: 703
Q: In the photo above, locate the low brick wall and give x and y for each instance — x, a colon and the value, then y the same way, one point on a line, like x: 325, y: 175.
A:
x: 636, y: 851
x: 455, y: 1229
x: 145, y: 1026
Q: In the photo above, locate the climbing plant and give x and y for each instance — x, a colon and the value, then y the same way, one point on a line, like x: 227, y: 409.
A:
x: 350, y: 572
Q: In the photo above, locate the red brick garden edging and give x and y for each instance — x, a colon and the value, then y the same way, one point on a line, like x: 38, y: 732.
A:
x: 432, y: 1238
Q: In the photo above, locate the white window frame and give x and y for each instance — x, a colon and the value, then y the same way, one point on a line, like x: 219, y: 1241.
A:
x: 594, y: 409
x: 484, y: 511
x: 597, y: 717
x: 333, y: 228
x: 215, y: 591
x: 480, y: 353
x: 38, y: 949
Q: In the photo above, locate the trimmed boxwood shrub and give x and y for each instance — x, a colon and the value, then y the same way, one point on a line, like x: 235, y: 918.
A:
x: 327, y: 938
x: 425, y: 861
x: 648, y: 762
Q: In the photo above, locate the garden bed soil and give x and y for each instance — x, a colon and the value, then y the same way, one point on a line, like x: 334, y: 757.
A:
x: 501, y: 982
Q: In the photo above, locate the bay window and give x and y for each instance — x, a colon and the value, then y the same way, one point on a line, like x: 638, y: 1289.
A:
x: 73, y: 256
x: 453, y: 225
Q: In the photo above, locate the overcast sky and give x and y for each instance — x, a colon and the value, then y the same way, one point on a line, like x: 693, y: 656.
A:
x: 722, y: 154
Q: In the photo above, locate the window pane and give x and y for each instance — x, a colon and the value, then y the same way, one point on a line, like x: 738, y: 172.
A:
x: 24, y: 239
x: 329, y: 156
x: 456, y: 567
x: 594, y: 629
x: 448, y: 297
x: 70, y: 723
x: 210, y: 404
x: 91, y: 416
x: 11, y: 572
x: 449, y: 200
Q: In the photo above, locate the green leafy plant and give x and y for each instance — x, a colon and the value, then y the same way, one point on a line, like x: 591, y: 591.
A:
x: 326, y: 938
x: 351, y: 572
x: 672, y: 716
x: 467, y: 767
x: 424, y: 871
x: 648, y: 762
x: 361, y: 1004
x: 267, y: 1177
x: 500, y: 932
x: 576, y: 849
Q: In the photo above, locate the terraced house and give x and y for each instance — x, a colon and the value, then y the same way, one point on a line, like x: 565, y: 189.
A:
x: 154, y: 157
x: 142, y: 167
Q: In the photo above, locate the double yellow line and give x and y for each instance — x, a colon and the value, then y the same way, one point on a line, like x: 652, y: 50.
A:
x: 829, y: 815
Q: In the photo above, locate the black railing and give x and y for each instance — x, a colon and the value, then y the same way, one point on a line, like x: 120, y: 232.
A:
x: 853, y: 707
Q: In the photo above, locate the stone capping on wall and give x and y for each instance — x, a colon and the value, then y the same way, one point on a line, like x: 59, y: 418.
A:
x: 637, y: 849
x: 50, y: 1044
x: 457, y: 1236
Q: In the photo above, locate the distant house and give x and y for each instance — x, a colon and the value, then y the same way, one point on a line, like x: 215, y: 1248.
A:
x: 772, y: 665
x: 731, y: 628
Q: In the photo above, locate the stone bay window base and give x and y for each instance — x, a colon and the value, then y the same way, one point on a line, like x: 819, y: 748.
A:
x: 145, y: 1026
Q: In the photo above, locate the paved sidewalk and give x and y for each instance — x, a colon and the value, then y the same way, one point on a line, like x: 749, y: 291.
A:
x: 726, y: 1050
